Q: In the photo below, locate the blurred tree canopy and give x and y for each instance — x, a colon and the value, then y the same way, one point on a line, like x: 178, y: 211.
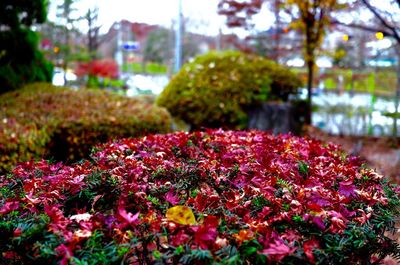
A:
x: 389, y: 23
x: 158, y: 48
x: 91, y: 18
x: 65, y: 10
x: 310, y: 17
x: 21, y: 61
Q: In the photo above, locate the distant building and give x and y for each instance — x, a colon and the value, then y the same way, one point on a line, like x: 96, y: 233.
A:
x: 193, y: 43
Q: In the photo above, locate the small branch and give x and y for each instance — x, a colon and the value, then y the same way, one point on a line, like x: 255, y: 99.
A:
x: 383, y: 20
x: 377, y: 14
x: 363, y: 27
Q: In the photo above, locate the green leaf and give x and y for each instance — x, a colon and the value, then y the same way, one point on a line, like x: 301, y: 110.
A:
x: 303, y: 168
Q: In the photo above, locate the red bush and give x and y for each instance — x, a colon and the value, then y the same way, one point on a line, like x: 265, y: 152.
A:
x: 100, y: 68
x: 216, y: 196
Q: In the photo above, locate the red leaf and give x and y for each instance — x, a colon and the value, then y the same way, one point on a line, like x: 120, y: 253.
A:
x: 65, y: 252
x: 206, y: 234
x: 309, y: 247
x: 58, y: 222
x: 127, y: 217
x: 9, y: 207
x: 180, y: 238
x: 277, y: 249
x: 347, y: 189
x: 172, y: 198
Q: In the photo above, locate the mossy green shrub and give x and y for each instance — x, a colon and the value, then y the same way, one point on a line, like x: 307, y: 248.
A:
x: 216, y: 89
x: 41, y: 120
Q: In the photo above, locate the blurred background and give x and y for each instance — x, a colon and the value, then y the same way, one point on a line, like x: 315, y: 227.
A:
x: 355, y: 68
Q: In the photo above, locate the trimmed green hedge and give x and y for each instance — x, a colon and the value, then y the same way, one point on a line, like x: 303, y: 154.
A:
x: 216, y: 89
x: 41, y: 120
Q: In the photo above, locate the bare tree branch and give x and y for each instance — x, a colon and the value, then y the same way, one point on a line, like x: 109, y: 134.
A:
x: 362, y: 27
x: 383, y: 21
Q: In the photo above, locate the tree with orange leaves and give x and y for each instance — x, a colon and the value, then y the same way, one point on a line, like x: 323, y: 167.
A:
x: 310, y: 17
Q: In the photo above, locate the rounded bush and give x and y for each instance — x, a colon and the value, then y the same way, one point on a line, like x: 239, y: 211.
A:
x: 41, y: 120
x: 216, y: 89
x: 215, y: 197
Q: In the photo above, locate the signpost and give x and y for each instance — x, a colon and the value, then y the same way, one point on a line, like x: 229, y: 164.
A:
x: 131, y: 46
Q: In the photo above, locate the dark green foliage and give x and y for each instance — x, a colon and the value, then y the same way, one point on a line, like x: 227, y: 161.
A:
x: 303, y: 168
x: 94, y: 252
x: 42, y: 120
x: 216, y: 89
x: 20, y: 60
x: 22, y: 13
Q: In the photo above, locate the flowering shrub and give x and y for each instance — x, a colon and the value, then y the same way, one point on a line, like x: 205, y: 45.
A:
x: 43, y: 120
x: 220, y: 197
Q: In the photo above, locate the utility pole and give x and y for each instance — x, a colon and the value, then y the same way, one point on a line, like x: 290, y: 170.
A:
x: 219, y: 40
x: 278, y: 29
x: 178, y: 40
x: 118, y: 54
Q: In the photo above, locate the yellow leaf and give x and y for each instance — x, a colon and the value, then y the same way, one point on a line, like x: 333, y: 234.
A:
x: 181, y: 215
x: 244, y: 235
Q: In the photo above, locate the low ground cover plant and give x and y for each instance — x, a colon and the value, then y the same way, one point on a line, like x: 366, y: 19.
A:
x: 41, y: 120
x: 217, y: 89
x: 213, y: 197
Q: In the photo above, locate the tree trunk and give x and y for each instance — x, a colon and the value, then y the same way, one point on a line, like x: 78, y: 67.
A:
x: 310, y: 77
x: 66, y: 55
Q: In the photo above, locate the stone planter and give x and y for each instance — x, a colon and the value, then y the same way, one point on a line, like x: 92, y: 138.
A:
x: 276, y: 117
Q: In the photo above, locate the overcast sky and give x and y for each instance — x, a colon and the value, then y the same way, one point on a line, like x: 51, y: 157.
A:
x: 202, y: 14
